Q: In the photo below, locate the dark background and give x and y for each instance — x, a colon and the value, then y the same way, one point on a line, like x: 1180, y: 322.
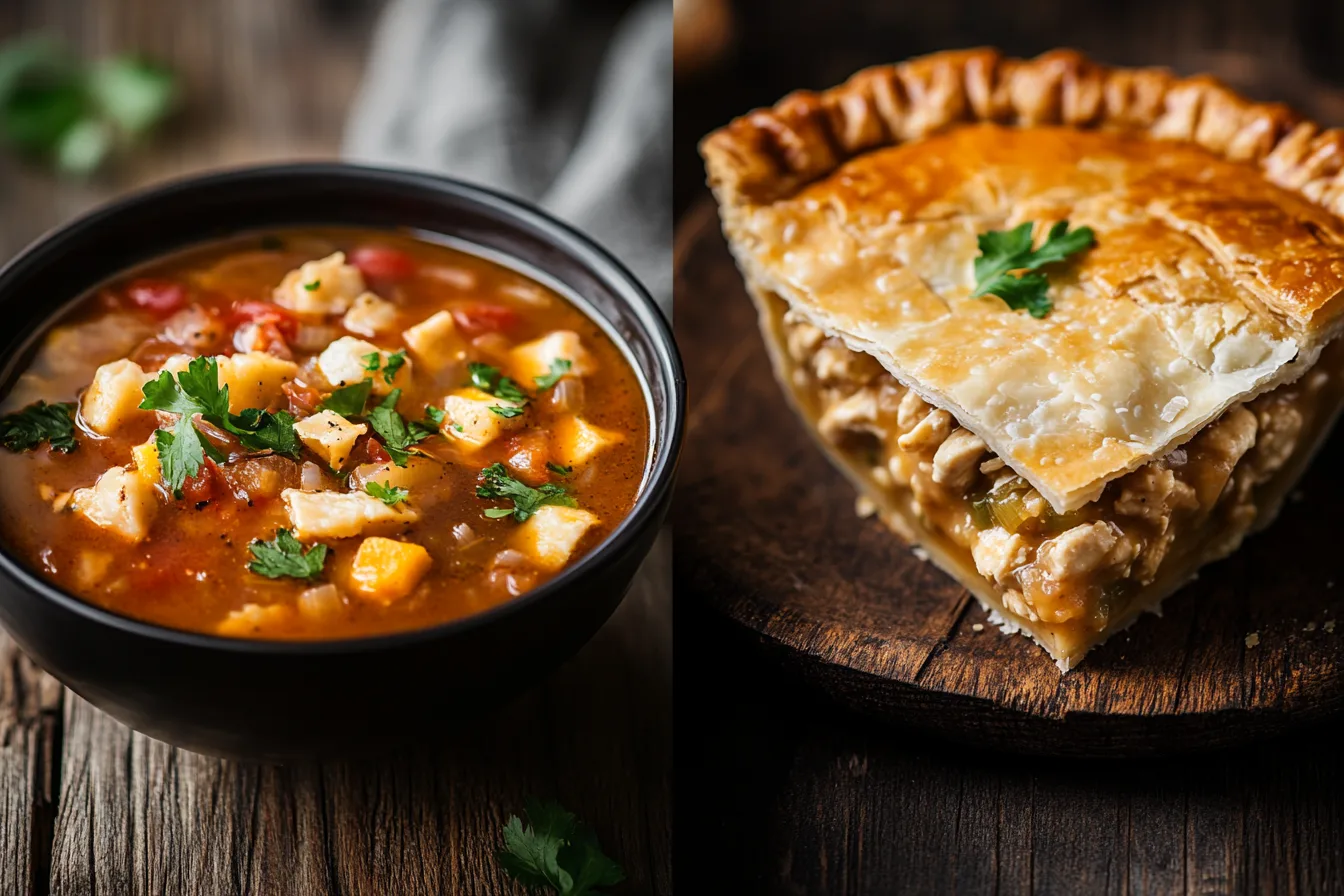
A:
x: 777, y: 790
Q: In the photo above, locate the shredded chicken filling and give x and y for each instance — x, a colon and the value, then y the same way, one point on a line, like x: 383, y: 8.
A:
x: 1078, y: 568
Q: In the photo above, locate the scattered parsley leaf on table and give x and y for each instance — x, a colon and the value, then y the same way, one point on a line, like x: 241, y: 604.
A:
x: 498, y: 484
x: 40, y: 422
x: 284, y: 556
x: 1002, y: 251
x: 555, y: 850
x: 54, y: 107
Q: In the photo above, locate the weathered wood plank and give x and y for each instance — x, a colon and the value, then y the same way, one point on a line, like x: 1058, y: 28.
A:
x: 30, y: 702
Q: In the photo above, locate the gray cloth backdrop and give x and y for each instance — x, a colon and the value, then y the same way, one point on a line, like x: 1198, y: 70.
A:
x: 567, y: 104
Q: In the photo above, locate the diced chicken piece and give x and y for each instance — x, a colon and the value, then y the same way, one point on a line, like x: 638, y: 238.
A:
x: 468, y: 418
x: 344, y: 363
x: 928, y: 433
x: 435, y: 341
x: 998, y: 552
x: 549, y: 536
x: 574, y: 441
x: 113, y: 399
x: 418, y: 473
x: 254, y: 379
x: 314, y: 515
x: 533, y: 359
x: 252, y: 619
x: 122, y: 502
x: 957, y: 459
x: 146, y: 458
x: 1082, y: 549
x: 317, y: 288
x: 330, y: 436
x: 386, y: 570
x: 370, y: 315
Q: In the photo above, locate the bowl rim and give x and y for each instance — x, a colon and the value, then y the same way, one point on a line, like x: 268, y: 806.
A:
x: 563, y: 236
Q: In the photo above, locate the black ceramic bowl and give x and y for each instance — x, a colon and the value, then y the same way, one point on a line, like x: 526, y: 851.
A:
x: 278, y: 700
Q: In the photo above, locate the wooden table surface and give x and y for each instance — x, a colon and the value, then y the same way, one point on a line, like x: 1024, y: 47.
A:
x: 87, y: 806
x: 780, y: 790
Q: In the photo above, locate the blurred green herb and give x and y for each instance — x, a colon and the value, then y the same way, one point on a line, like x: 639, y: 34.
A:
x: 74, y: 115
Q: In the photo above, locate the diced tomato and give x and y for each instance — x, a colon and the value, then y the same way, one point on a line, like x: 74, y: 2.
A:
x: 201, y: 487
x: 527, y: 455
x: 382, y: 263
x: 484, y: 317
x: 266, y: 313
x: 376, y: 452
x: 158, y: 297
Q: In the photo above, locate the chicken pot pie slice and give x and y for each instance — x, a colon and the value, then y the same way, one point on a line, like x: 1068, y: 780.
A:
x: 1074, y: 445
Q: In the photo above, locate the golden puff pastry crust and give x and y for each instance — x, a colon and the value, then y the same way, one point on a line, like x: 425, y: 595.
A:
x: 1217, y: 274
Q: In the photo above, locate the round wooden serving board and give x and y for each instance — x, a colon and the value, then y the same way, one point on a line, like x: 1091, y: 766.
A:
x: 767, y: 534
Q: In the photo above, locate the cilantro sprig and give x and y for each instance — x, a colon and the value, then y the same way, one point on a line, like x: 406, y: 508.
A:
x: 194, y: 391
x: 496, y: 483
x: 391, y: 495
x: 492, y: 382
x: 554, y: 849
x: 40, y: 422
x: 284, y: 557
x: 348, y: 401
x: 1003, y: 251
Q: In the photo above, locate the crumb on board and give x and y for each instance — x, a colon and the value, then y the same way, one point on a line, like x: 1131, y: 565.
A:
x: 1311, y: 627
x: 920, y: 553
x: 864, y: 507
x: 1329, y: 626
x: 978, y: 627
x: 1252, y: 639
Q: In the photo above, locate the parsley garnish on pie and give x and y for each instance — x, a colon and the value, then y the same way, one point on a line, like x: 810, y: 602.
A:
x: 1003, y: 251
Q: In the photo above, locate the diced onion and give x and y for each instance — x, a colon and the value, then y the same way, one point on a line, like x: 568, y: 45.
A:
x: 465, y: 535
x: 315, y: 337
x: 321, y: 602
x: 462, y: 279
x: 310, y: 479
x: 566, y: 396
x: 510, y: 558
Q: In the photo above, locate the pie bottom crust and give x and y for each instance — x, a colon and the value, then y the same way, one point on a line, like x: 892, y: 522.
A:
x: 1063, y: 645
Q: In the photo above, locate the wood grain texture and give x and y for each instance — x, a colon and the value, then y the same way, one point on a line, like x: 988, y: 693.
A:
x: 267, y: 81
x: 778, y: 547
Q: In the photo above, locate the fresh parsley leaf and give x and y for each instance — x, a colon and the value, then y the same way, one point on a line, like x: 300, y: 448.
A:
x: 489, y: 380
x: 505, y: 411
x: 1002, y: 251
x: 196, y: 390
x: 390, y: 495
x: 349, y: 401
x: 52, y: 106
x: 435, y: 415
x: 260, y: 430
x: 559, y: 470
x: 398, y: 438
x: 372, y: 361
x: 40, y: 422
x: 458, y: 427
x: 555, y: 850
x: 559, y: 367
x: 498, y: 484
x: 313, y: 287
x: 395, y: 362
x: 284, y: 556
